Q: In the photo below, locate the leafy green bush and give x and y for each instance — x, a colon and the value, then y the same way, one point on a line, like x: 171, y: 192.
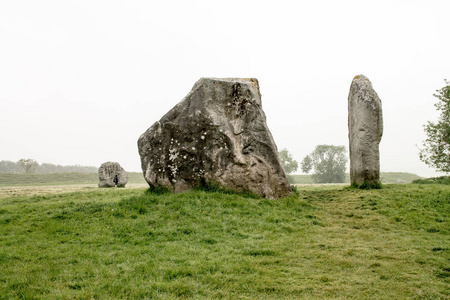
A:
x: 157, y: 189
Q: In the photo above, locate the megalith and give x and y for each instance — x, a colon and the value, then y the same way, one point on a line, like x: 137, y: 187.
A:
x: 216, y: 135
x: 111, y: 172
x: 365, y: 128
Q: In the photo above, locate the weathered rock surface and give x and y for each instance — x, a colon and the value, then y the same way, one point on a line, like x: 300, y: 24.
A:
x: 365, y: 129
x: 216, y: 135
x: 108, y: 171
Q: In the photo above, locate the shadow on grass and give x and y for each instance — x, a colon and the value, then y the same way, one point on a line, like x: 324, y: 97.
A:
x: 366, y: 186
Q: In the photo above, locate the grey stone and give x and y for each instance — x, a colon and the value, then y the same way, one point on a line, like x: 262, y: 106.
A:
x: 216, y: 135
x: 108, y: 171
x: 365, y: 129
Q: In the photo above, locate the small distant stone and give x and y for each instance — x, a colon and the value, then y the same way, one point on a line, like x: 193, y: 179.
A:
x: 108, y: 172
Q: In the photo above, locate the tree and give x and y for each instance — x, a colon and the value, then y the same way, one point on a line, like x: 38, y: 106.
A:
x: 437, y: 146
x: 329, y: 163
x: 52, y: 168
x: 7, y: 166
x: 307, y: 164
x: 289, y: 163
x: 28, y: 165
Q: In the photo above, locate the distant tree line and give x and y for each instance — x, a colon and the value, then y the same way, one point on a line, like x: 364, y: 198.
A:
x: 329, y: 163
x: 32, y: 166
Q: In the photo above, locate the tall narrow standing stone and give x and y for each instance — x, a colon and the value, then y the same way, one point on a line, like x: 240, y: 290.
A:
x: 365, y: 128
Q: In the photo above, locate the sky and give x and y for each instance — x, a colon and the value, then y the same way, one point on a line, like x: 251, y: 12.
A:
x: 80, y: 81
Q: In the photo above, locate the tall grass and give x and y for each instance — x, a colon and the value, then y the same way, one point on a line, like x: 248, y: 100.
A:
x: 322, y: 243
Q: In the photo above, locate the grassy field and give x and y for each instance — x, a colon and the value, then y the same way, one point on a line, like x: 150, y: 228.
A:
x: 386, y: 177
x: 325, y: 242
x: 34, y: 179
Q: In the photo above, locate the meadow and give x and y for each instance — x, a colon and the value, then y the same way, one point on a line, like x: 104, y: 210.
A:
x: 35, y: 179
x: 323, y: 242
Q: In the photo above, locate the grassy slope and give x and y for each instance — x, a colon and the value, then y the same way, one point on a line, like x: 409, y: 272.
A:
x: 23, y: 179
x: 386, y: 177
x: 326, y: 243
x: 434, y: 180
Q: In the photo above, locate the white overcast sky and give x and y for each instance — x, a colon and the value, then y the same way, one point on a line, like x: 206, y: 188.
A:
x: 80, y: 81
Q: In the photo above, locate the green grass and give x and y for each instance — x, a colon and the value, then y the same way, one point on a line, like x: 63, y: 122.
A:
x: 386, y: 177
x: 330, y: 242
x: 34, y: 179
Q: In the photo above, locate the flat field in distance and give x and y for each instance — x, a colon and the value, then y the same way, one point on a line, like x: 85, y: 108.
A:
x: 22, y: 179
x: 386, y: 177
x: 34, y: 179
x: 325, y: 242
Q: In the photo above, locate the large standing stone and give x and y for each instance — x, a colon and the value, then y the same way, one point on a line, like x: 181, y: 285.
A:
x: 216, y: 135
x: 365, y: 128
x: 108, y: 171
